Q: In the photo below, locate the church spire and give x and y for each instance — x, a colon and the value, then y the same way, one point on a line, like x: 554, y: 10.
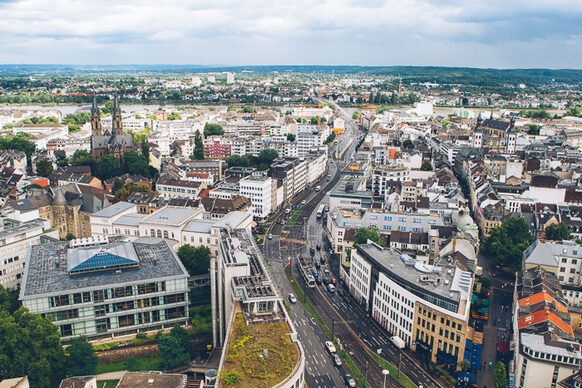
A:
x: 117, y: 124
x: 96, y: 129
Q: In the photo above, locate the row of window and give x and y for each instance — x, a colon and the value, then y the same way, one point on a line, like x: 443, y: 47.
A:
x: 101, y: 295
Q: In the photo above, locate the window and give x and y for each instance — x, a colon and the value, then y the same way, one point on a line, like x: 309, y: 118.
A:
x: 100, y: 295
x: 571, y: 280
x: 66, y: 314
x: 155, y: 316
x: 562, y: 269
x: 147, y: 288
x: 564, y: 260
x: 122, y: 292
x: 126, y: 320
x: 176, y: 312
x: 123, y: 306
x: 165, y: 234
x: 152, y: 233
x: 66, y: 330
x: 102, y: 325
x: 168, y: 299
x: 61, y: 300
x: 101, y: 310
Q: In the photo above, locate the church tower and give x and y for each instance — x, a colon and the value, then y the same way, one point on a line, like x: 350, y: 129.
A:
x: 96, y: 129
x: 117, y: 124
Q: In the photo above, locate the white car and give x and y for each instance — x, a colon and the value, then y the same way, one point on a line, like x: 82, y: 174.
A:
x: 292, y: 298
x: 270, y: 236
x: 303, y: 202
x: 330, y: 346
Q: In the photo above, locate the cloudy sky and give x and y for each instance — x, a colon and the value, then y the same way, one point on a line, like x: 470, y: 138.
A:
x: 479, y: 33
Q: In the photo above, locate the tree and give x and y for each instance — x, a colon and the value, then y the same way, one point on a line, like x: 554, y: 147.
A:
x: 315, y: 120
x: 465, y: 365
x: 69, y: 236
x: 288, y: 112
x: 182, y: 335
x: 82, y: 360
x: 135, y: 163
x: 145, y: 150
x: 81, y: 158
x: 76, y: 120
x: 248, y: 109
x: 195, y: 259
x: 575, y: 111
x: 330, y: 138
x: 356, y: 115
x: 30, y: 345
x: 174, y: 116
x: 173, y: 352
x: 426, y: 165
x: 266, y: 157
x: 213, y: 130
x: 290, y: 137
x: 500, y: 376
x: 558, y: 232
x: 124, y: 192
x: 117, y: 184
x: 17, y: 142
x: 8, y: 300
x: 364, y: 234
x: 506, y: 243
x: 44, y: 167
x: 533, y: 129
x: 230, y: 377
x: 237, y: 161
x: 198, y: 147
x: 108, y: 166
x: 408, y: 144
x: 61, y: 158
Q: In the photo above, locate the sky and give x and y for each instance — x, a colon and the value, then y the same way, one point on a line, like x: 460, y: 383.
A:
x: 475, y: 33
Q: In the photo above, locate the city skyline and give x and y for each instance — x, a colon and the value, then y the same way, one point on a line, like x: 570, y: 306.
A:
x: 374, y: 33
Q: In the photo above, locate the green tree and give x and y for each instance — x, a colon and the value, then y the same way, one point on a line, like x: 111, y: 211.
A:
x: 182, y: 335
x: 44, y: 167
x: 30, y: 345
x: 107, y: 109
x: 76, y: 120
x: 108, y: 166
x: 356, y: 115
x: 290, y: 137
x: 237, y: 161
x: 314, y: 120
x: 288, y: 112
x: 534, y: 129
x: 575, y: 111
x: 330, y: 138
x: 500, y: 376
x: 211, y: 129
x: 135, y: 163
x: 558, y: 232
x: 81, y: 360
x: 248, y: 109
x: 81, y: 158
x: 124, y: 192
x: 364, y: 234
x: 174, y: 116
x: 196, y: 260
x: 117, y: 184
x: 267, y: 156
x: 8, y: 300
x: 61, y: 158
x: 145, y: 150
x: 408, y: 144
x: 17, y: 142
x: 173, y: 352
x: 198, y: 147
x: 506, y: 243
x: 426, y: 165
x: 230, y: 377
x: 69, y: 236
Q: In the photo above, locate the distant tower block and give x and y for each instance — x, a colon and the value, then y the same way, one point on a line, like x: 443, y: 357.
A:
x: 229, y: 78
x: 196, y: 81
x: 400, y: 87
x: 211, y: 79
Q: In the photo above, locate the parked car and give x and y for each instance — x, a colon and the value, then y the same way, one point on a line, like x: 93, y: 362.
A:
x: 292, y: 298
x: 318, y: 247
x: 311, y: 251
x: 303, y: 202
x: 350, y: 382
x: 333, y: 280
x: 270, y: 236
x: 330, y: 347
x: 279, y: 221
x: 322, y: 260
x: 341, y: 292
x: 326, y: 280
x: 337, y: 360
x: 331, y: 288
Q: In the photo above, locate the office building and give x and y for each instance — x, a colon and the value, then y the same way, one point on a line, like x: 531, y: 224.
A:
x: 98, y: 289
x: 258, y: 188
x: 427, y: 306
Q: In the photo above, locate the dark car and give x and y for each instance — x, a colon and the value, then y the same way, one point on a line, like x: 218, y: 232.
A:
x: 317, y: 265
x: 326, y: 280
x: 318, y: 247
x: 341, y: 292
x: 319, y: 280
x: 279, y: 221
x: 311, y: 251
x: 322, y: 260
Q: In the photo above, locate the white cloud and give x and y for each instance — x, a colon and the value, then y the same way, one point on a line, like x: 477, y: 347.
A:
x: 377, y: 32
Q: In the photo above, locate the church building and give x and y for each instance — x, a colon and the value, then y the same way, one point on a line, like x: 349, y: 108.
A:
x: 113, y: 143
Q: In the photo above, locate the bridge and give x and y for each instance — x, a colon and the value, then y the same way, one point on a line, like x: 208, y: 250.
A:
x: 199, y: 281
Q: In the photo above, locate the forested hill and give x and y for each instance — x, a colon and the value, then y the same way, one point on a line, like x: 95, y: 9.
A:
x: 448, y: 75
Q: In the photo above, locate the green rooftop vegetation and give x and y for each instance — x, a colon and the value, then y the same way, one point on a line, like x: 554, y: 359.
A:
x: 245, y: 365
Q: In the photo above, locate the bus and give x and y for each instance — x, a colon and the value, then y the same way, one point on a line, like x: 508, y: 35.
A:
x: 320, y: 211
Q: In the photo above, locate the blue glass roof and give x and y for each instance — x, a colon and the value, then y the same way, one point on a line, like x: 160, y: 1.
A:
x: 103, y: 260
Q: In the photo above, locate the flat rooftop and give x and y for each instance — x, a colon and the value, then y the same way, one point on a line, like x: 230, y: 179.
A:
x: 151, y: 379
x: 170, y: 215
x: 47, y: 264
x: 446, y: 282
x: 113, y: 210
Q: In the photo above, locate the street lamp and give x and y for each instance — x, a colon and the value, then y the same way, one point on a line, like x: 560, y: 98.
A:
x: 385, y: 372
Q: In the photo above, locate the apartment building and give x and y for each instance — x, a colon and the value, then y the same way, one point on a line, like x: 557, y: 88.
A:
x: 258, y: 188
x: 172, y: 188
x: 292, y: 172
x: 19, y: 231
x: 383, y: 176
x: 105, y: 290
x: 546, y: 350
x: 427, y: 306
x: 563, y: 258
